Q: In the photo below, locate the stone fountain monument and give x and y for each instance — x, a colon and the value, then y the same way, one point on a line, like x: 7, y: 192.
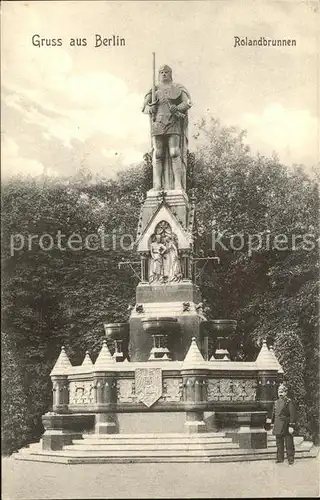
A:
x: 168, y: 390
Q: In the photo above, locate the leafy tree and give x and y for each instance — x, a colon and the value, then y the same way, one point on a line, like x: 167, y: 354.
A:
x: 268, y: 290
x: 290, y: 353
x: 14, y: 400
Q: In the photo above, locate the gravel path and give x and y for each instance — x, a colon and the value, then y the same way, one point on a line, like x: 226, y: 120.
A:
x: 260, y: 479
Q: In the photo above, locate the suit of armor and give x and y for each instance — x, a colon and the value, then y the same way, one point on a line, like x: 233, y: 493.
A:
x: 169, y: 123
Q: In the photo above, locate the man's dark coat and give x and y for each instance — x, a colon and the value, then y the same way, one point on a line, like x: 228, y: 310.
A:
x: 283, y: 417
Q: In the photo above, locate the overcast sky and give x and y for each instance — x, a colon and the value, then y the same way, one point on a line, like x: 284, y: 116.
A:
x: 70, y: 107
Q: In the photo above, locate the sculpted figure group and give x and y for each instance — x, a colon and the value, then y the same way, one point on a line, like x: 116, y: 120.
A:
x: 164, y: 263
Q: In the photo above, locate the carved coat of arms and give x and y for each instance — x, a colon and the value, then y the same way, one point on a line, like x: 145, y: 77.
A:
x: 148, y: 385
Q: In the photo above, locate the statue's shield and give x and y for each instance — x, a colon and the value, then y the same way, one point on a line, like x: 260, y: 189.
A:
x: 148, y: 385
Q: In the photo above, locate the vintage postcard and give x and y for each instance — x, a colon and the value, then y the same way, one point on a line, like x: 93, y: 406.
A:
x: 160, y: 249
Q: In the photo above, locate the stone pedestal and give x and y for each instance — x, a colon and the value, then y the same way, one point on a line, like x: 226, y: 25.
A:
x: 162, y: 301
x: 267, y: 389
x: 151, y: 422
x: 184, y: 291
x: 245, y: 428
x: 176, y: 199
x: 53, y: 440
x: 106, y: 423
x: 194, y: 422
x: 60, y: 430
x: 60, y: 393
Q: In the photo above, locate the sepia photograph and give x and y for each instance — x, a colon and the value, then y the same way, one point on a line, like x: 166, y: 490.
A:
x: 160, y: 167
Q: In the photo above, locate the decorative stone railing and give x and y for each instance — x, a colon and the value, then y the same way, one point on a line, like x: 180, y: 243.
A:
x: 207, y: 385
x: 91, y: 397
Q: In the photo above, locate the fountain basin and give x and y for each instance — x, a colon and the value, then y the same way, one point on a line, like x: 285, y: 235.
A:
x: 117, y: 331
x: 215, y: 335
x: 117, y: 339
x: 221, y: 327
x: 159, y: 325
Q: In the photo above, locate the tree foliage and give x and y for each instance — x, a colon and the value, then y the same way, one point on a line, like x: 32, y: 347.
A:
x: 290, y: 353
x: 14, y: 398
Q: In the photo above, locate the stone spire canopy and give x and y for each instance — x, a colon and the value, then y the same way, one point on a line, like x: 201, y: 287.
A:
x: 63, y: 365
x: 194, y: 358
x: 104, y: 361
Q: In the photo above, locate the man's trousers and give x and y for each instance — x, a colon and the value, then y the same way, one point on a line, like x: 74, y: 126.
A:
x: 289, y: 447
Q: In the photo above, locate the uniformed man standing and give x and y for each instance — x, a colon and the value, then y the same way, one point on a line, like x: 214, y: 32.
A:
x: 284, y: 421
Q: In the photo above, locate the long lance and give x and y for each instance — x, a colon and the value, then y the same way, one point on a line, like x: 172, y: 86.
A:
x: 153, y: 90
x: 153, y: 95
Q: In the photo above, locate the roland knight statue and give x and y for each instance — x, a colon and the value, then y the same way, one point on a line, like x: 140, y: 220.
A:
x: 168, y: 103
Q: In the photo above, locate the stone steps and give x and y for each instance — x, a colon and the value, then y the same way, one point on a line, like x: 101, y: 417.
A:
x: 298, y: 441
x: 101, y: 447
x: 246, y: 455
x: 177, y: 450
x: 71, y: 451
x: 30, y: 449
x: 67, y: 451
x: 184, y: 439
x: 152, y: 442
x: 159, y: 435
x: 146, y: 442
x: 157, y: 448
